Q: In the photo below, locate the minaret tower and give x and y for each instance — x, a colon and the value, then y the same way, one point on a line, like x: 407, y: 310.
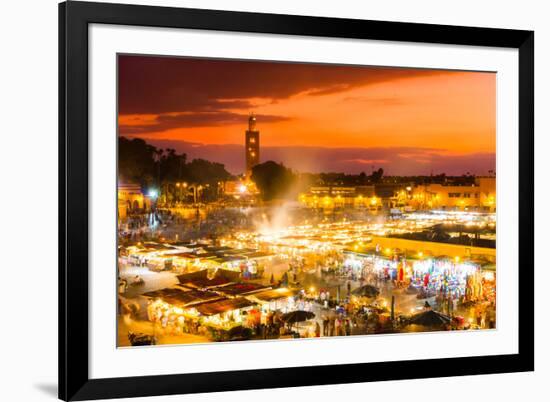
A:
x: 252, y: 146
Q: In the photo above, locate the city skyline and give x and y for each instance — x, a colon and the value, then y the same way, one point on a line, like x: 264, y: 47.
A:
x: 313, y: 117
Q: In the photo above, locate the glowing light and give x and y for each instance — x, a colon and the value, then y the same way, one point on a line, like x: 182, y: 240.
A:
x: 242, y: 188
x: 489, y: 276
x: 153, y: 193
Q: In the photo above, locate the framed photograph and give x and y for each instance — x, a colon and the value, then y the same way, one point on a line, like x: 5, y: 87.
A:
x: 259, y: 201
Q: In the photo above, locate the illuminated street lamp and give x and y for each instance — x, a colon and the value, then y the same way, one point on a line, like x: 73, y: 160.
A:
x: 153, y: 194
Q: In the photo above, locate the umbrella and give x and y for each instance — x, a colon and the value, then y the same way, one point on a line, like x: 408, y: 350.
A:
x: 239, y: 333
x: 430, y: 318
x: 294, y: 317
x: 366, y: 291
x: 297, y: 316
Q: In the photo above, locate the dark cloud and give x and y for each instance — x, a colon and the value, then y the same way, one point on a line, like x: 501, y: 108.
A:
x: 157, y: 85
x: 165, y: 122
x: 395, y: 161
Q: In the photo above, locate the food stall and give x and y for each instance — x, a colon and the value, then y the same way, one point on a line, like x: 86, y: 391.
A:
x: 280, y: 299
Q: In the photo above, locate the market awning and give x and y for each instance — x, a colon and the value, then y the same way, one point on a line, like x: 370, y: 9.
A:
x: 204, y: 256
x: 183, y: 298
x: 229, y: 258
x: 162, y: 292
x: 241, y: 288
x: 242, y: 251
x: 196, y: 245
x: 216, y: 249
x: 157, y: 246
x: 258, y: 254
x: 223, y: 306
x: 275, y: 294
x: 202, y: 280
x: 186, y: 255
x: 430, y: 318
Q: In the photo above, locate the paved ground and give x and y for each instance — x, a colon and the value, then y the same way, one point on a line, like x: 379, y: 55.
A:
x: 126, y: 325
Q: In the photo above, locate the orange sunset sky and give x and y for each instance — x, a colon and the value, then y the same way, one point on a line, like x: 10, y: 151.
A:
x: 313, y: 117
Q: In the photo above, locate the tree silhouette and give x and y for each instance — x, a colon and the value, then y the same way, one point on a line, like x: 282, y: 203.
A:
x: 272, y: 179
x: 377, y: 175
x: 149, y: 166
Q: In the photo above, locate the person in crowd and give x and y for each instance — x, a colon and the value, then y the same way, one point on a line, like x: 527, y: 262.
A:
x: 325, y: 325
x: 479, y: 318
x: 347, y: 327
x: 269, y: 323
x: 181, y: 324
x: 331, y: 326
x: 338, y: 327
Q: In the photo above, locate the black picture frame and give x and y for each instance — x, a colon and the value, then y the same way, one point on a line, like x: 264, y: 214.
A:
x: 74, y: 18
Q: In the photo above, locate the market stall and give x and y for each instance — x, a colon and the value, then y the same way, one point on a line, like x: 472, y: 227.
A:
x: 207, y: 279
x: 280, y: 299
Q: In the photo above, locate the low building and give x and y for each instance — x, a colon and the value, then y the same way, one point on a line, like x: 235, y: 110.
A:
x: 334, y: 197
x: 131, y: 200
x: 480, y: 196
